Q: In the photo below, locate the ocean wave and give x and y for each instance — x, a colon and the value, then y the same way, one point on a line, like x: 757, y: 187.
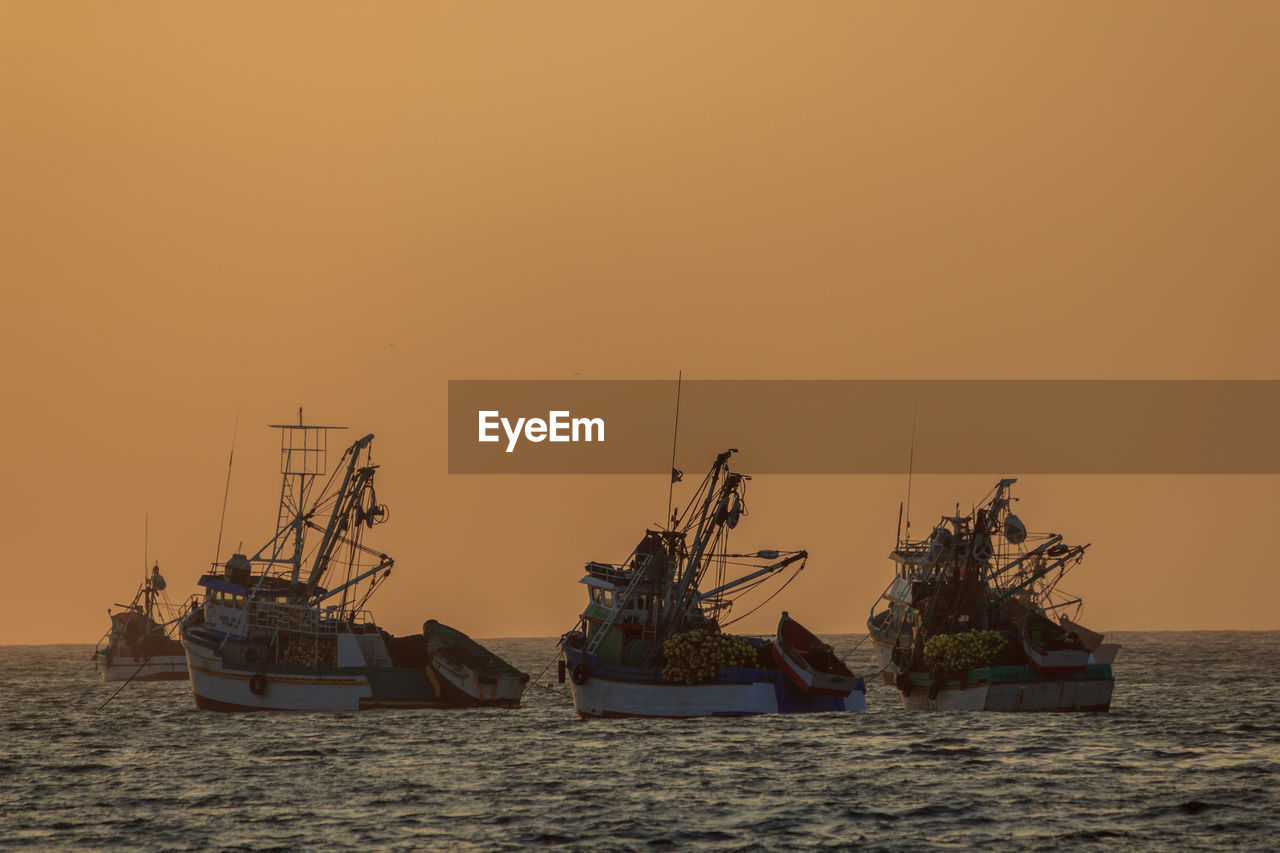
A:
x: 1174, y: 766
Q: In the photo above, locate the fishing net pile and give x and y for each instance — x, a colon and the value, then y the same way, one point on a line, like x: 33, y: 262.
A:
x: 954, y: 654
x: 307, y: 650
x: 694, y: 657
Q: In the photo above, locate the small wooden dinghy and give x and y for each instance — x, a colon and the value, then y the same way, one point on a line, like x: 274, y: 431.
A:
x: 810, y: 663
x: 1051, y: 650
x: 1053, y: 661
x: 470, y: 674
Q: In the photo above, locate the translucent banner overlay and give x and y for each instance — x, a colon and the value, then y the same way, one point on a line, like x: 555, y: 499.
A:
x: 865, y: 426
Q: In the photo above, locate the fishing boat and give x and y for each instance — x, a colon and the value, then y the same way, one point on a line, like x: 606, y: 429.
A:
x: 974, y: 619
x: 286, y: 628
x: 138, y: 646
x: 651, y: 640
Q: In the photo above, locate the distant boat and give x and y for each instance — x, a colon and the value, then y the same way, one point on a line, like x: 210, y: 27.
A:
x: 650, y: 641
x: 968, y: 621
x: 138, y: 647
x: 269, y: 637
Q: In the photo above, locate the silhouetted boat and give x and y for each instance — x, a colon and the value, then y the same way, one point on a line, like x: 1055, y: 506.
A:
x: 138, y: 646
x: 269, y: 637
x: 650, y: 644
x: 967, y: 621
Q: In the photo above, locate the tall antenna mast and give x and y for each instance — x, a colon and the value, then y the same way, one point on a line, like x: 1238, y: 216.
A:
x: 147, y: 590
x: 675, y: 435
x: 911, y: 465
x: 217, y: 551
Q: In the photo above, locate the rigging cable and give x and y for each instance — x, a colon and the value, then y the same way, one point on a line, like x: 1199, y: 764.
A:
x: 141, y: 665
x: 671, y: 486
x: 794, y: 575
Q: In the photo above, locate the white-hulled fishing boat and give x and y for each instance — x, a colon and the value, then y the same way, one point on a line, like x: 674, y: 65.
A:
x: 269, y: 636
x: 649, y: 643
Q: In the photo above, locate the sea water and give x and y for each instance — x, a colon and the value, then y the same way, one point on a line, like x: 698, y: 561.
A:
x: 1188, y: 758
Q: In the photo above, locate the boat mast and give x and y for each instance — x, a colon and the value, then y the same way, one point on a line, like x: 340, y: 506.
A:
x: 675, y: 474
x: 222, y: 520
x: 911, y: 466
x: 344, y: 503
x: 146, y: 580
x: 303, y: 457
x: 708, y: 526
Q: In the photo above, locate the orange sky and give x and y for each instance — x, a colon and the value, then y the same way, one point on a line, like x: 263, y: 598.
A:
x: 212, y: 211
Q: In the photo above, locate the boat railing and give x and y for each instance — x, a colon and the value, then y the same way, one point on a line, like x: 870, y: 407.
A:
x: 615, y: 574
x: 304, y: 619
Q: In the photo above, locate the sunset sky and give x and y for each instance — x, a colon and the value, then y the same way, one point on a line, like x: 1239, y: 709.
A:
x: 211, y: 214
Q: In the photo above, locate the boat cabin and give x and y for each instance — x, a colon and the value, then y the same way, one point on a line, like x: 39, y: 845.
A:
x: 637, y: 617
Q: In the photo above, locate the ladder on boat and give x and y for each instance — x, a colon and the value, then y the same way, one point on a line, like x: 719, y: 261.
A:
x: 619, y: 601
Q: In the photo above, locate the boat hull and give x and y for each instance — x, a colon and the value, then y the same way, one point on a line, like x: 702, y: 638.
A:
x: 1013, y: 688
x: 469, y: 674
x: 151, y: 657
x: 888, y: 669
x: 462, y: 687
x: 221, y: 683
x: 218, y: 685
x: 158, y: 668
x: 1106, y: 653
x: 604, y: 690
x: 885, y: 641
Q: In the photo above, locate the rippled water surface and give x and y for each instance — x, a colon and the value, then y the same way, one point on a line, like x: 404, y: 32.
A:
x: 1187, y: 759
